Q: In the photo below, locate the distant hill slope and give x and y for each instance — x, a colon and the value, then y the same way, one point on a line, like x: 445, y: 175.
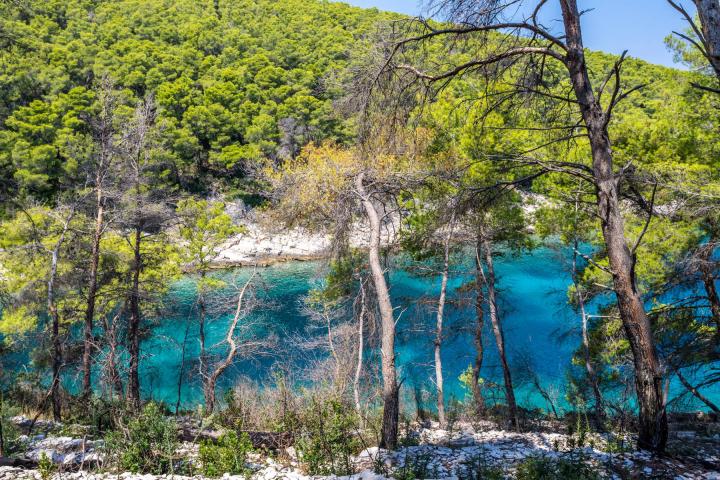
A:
x: 235, y: 82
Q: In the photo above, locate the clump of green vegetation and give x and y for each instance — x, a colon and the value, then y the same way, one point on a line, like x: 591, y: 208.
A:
x: 228, y: 455
x: 146, y: 445
x: 415, y: 466
x: 477, y: 467
x: 9, y: 434
x: 547, y: 468
x: 329, y: 437
x: 46, y: 467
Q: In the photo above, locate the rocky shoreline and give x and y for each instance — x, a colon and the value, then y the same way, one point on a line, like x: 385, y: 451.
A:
x: 428, y: 452
x: 262, y: 245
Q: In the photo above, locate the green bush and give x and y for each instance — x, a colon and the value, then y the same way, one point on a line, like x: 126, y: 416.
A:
x: 329, y: 437
x: 478, y: 467
x: 46, y: 467
x: 416, y: 466
x: 9, y: 431
x: 546, y: 468
x: 146, y: 445
x: 228, y: 455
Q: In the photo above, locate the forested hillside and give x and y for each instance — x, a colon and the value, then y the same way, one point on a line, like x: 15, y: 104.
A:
x: 420, y: 163
x: 234, y: 84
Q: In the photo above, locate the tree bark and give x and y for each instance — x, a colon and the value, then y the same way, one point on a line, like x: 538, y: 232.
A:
x: 232, y: 352
x: 439, y: 325
x: 134, y: 327
x: 478, y: 338
x: 709, y: 14
x: 361, y: 349
x: 55, y: 318
x: 202, y: 358
x: 708, y: 278
x: 181, y: 372
x: 648, y: 377
x: 57, y: 349
x: 91, y: 298
x: 489, y: 281
x: 589, y: 368
x: 390, y: 393
x: 113, y: 379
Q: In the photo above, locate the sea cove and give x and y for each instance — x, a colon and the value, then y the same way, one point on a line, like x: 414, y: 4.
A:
x: 540, y: 327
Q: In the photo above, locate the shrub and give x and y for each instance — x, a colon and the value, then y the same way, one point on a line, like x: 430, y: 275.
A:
x: 477, y: 467
x: 8, y: 430
x: 251, y: 407
x: 46, y: 467
x: 546, y: 468
x: 147, y: 445
x: 228, y: 455
x: 415, y: 466
x: 328, y: 437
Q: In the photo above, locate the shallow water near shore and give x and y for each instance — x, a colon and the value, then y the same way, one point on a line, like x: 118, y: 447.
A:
x: 533, y: 304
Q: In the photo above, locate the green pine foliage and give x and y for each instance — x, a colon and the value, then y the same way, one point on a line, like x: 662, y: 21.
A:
x: 234, y: 86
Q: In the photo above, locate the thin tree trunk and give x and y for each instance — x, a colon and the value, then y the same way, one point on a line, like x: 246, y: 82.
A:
x: 390, y: 394
x: 91, y: 298
x: 708, y: 278
x: 57, y: 348
x: 589, y: 368
x: 112, y: 374
x: 696, y: 392
x: 361, y: 349
x: 648, y: 376
x: 339, y: 384
x: 2, y: 432
x: 204, y: 374
x: 55, y: 318
x: 478, y: 338
x: 497, y: 329
x: 439, y: 325
x: 592, y: 376
x: 134, y: 327
x: 232, y: 352
x: 181, y: 373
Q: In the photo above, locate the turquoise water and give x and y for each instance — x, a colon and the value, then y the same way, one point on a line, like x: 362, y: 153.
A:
x: 533, y: 304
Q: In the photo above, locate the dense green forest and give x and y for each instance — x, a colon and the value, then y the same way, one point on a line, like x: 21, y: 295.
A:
x: 127, y: 128
x: 233, y: 85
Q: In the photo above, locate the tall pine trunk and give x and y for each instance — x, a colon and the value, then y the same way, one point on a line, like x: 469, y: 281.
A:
x: 204, y: 374
x: 91, y: 297
x: 439, y: 325
x: 648, y: 377
x: 478, y: 337
x: 361, y: 349
x: 56, y: 344
x: 181, y: 372
x: 112, y: 373
x: 133, y: 389
x: 589, y: 368
x: 489, y: 279
x: 55, y: 319
x: 390, y: 391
